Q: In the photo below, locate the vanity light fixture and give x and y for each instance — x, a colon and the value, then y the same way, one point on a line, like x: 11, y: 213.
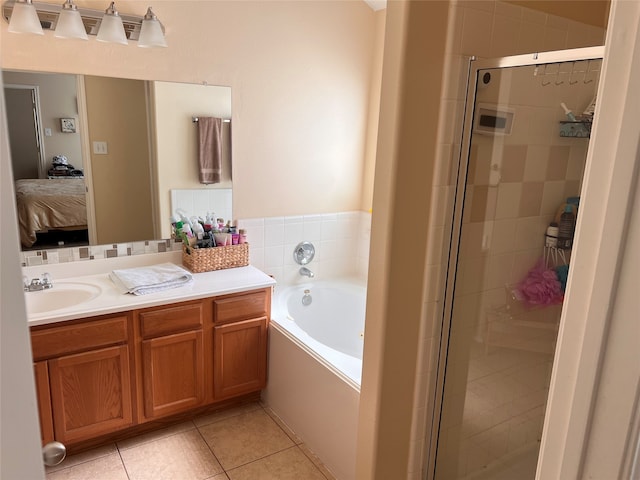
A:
x: 111, y: 28
x: 151, y: 32
x: 29, y: 16
x: 24, y: 18
x: 69, y: 24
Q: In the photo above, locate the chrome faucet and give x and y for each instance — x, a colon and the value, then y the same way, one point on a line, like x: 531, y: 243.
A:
x: 36, y: 284
x: 305, y: 272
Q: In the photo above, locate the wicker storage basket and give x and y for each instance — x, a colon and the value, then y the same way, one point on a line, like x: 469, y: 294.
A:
x: 217, y: 258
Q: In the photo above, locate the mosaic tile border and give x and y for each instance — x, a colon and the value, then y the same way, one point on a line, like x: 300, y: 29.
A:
x: 94, y: 252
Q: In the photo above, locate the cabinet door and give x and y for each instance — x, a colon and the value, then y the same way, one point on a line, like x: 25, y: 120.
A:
x: 41, y: 372
x: 90, y: 393
x: 240, y: 358
x: 173, y: 375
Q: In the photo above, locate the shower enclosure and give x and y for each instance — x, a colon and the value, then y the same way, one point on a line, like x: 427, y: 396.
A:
x: 521, y: 168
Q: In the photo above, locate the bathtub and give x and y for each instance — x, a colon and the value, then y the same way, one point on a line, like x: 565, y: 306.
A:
x: 315, y: 365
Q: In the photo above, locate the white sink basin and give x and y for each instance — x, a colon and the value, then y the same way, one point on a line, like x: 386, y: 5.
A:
x: 62, y: 295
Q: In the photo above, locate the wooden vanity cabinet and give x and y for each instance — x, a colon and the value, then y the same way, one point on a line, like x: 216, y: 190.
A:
x: 240, y: 343
x: 98, y: 376
x: 41, y: 375
x: 88, y: 366
x: 170, y: 348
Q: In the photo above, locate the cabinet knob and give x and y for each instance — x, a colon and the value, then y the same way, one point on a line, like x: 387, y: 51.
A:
x: 53, y: 453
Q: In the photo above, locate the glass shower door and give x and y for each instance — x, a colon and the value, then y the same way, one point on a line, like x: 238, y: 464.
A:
x: 525, y: 163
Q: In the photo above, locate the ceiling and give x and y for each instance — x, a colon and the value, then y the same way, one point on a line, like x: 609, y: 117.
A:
x: 591, y: 12
x: 377, y: 4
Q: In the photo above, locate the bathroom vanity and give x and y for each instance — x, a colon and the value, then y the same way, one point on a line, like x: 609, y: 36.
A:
x: 121, y: 364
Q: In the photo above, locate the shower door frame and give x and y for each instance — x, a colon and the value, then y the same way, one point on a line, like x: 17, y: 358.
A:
x: 475, y: 65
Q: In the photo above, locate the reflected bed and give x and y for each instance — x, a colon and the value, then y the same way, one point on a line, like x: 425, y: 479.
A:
x: 50, y: 204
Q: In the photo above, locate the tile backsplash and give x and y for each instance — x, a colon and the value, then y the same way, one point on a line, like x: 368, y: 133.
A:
x: 32, y: 258
x: 341, y: 241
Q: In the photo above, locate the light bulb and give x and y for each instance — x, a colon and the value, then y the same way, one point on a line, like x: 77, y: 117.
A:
x: 24, y: 18
x: 111, y: 28
x: 151, y: 32
x: 69, y: 23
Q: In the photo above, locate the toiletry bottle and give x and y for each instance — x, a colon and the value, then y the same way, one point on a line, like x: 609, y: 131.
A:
x: 242, y: 236
x: 566, y: 228
x: 220, y: 224
x: 198, y: 231
x: 189, y: 237
x: 551, y: 238
x: 568, y: 113
x: 180, y: 233
x: 208, y: 223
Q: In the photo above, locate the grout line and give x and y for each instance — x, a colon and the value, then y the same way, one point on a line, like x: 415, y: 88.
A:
x: 124, y: 465
x: 58, y: 468
x: 239, y: 413
x: 317, y: 462
x: 211, y: 450
x: 155, y: 439
x: 263, y: 457
x: 293, y: 436
x: 297, y: 441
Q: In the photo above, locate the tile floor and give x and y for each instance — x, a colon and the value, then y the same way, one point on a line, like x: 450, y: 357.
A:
x: 247, y: 442
x: 519, y: 466
x: 493, y: 423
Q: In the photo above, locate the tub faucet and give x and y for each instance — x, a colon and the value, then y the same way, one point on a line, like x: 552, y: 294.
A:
x: 304, y: 271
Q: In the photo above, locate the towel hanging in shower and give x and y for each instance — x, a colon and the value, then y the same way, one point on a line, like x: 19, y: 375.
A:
x: 209, y: 149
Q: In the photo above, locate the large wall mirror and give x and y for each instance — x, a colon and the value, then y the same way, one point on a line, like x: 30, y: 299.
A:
x: 100, y: 160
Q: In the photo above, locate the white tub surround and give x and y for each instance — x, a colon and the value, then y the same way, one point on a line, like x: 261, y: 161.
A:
x: 110, y: 300
x: 341, y: 241
x: 331, y: 327
x: 315, y: 365
x: 314, y: 402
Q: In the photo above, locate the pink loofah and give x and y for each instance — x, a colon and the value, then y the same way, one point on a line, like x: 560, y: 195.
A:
x: 540, y: 287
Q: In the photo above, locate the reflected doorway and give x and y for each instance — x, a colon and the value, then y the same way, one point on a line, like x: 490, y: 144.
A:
x: 23, y: 107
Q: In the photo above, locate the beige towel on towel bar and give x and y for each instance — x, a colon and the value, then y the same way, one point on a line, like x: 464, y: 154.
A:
x: 209, y: 149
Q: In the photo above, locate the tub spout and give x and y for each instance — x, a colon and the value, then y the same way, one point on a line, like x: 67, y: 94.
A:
x: 305, y: 272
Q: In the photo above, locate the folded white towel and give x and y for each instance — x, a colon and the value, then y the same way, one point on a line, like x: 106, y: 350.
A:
x: 143, y: 280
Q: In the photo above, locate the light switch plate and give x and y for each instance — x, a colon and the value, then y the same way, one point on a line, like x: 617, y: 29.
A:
x: 47, y: 132
x: 100, y: 148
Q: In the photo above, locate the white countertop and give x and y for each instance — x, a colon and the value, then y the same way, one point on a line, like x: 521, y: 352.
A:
x: 111, y: 300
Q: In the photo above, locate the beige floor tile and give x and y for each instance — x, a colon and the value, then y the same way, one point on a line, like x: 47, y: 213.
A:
x: 104, y: 468
x: 245, y: 438
x: 283, y: 426
x: 181, y: 456
x: 290, y: 464
x: 220, y: 476
x: 155, y: 435
x: 317, y: 462
x: 226, y: 413
x: 84, y: 457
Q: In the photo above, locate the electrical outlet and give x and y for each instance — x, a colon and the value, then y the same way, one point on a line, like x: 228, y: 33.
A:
x: 100, y: 148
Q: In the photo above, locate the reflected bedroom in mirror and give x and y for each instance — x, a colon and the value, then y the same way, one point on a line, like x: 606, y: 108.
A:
x: 101, y: 164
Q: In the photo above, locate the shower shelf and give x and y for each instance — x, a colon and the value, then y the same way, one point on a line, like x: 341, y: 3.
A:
x: 520, y: 327
x: 579, y: 129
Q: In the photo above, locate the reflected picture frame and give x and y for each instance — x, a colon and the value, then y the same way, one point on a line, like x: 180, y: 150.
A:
x: 68, y: 125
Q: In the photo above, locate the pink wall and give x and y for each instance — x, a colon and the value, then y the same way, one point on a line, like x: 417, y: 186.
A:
x: 299, y: 73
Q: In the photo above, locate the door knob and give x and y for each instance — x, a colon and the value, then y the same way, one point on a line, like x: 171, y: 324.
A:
x: 53, y: 453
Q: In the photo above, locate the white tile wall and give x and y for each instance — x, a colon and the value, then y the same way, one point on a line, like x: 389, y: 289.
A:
x: 200, y: 201
x: 341, y: 241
